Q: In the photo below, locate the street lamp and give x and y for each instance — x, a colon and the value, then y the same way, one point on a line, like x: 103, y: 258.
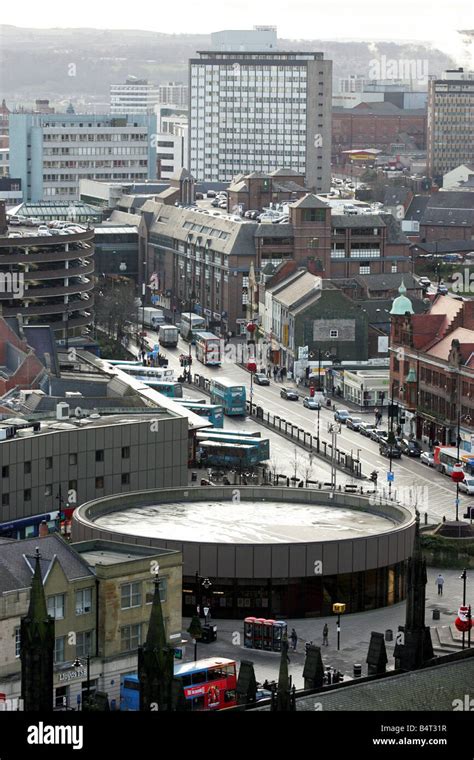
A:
x: 201, y: 583
x: 463, y: 577
x: 338, y: 608
x: 334, y: 428
x: 78, y: 664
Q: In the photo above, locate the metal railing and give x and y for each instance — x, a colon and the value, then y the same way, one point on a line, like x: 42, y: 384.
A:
x: 322, y: 449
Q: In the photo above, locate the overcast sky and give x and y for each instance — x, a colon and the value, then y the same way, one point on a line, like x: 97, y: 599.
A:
x: 431, y: 20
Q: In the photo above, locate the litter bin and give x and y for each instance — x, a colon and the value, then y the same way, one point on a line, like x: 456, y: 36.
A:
x: 209, y: 634
x: 389, y: 634
x: 436, y: 615
x: 357, y: 671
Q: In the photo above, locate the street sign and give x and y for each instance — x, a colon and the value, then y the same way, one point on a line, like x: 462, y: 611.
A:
x: 390, y: 477
x: 178, y: 653
x: 302, y: 352
x: 206, y: 611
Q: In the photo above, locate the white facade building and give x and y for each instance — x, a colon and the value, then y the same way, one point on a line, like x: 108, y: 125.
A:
x: 135, y: 96
x: 260, y: 112
x: 176, y: 93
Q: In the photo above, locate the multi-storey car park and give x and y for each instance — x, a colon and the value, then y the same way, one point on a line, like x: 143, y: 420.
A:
x: 47, y: 277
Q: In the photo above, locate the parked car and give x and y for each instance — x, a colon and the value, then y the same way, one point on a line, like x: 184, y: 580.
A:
x: 379, y: 435
x: 215, y: 203
x: 410, y: 448
x: 467, y: 485
x: 341, y: 415
x: 353, y: 423
x: 387, y: 450
x: 211, y: 193
x: 199, y: 196
x: 425, y: 282
x: 443, y: 290
x: 289, y: 394
x: 311, y: 403
x: 261, y: 379
x: 366, y: 428
x: 427, y: 458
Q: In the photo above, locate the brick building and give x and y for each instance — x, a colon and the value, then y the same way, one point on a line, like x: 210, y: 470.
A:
x: 19, y: 366
x: 258, y: 190
x: 206, y: 259
x: 432, y: 369
x: 379, y: 125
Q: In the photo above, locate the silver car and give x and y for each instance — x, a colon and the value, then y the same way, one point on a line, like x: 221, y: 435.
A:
x: 427, y: 458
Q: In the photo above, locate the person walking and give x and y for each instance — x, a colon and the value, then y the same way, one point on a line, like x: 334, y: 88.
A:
x: 275, y: 370
x: 294, y: 639
x: 325, y: 635
x: 269, y: 372
x: 440, y: 584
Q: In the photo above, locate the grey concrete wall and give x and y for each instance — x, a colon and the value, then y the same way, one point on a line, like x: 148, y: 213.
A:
x: 264, y: 560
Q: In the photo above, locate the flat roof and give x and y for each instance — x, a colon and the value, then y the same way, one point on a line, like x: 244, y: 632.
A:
x: 251, y: 522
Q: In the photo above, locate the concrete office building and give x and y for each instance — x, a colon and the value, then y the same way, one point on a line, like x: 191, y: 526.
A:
x: 258, y: 112
x: 450, y: 122
x: 101, y: 591
x: 284, y: 557
x: 135, y: 96
x: 176, y: 93
x: 51, y: 153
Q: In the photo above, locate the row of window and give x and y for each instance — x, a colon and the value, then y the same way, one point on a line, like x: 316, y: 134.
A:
x: 48, y: 462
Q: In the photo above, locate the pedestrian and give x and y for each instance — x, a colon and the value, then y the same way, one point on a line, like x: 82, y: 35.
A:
x: 269, y: 372
x: 440, y: 583
x: 325, y: 635
x: 275, y: 370
x: 294, y: 639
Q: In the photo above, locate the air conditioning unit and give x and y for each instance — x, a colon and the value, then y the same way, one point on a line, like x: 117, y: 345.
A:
x: 62, y: 411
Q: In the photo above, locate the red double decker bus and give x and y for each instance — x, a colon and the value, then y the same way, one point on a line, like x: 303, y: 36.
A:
x: 208, y: 348
x: 208, y: 684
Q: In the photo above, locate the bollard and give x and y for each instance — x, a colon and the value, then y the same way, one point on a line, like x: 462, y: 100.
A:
x: 357, y: 671
x: 426, y: 518
x: 389, y: 634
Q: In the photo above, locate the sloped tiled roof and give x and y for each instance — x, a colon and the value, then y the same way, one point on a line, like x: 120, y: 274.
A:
x: 465, y: 337
x: 16, y: 572
x: 300, y: 288
x: 309, y: 201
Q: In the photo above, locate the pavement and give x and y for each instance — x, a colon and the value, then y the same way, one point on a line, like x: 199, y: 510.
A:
x: 355, y: 633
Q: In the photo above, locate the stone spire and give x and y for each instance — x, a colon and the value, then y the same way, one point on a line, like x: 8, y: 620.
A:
x: 158, y: 691
x: 37, y: 648
x: 414, y: 646
x: 284, y: 699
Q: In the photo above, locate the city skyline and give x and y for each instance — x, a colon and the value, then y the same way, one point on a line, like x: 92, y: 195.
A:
x: 305, y: 22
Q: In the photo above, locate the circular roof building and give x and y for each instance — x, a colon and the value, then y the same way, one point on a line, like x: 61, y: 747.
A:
x: 268, y: 552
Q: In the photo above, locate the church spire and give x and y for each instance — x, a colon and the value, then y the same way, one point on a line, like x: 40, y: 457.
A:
x: 37, y: 648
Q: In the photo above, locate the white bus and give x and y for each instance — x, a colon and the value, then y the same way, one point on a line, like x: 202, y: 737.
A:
x: 190, y: 323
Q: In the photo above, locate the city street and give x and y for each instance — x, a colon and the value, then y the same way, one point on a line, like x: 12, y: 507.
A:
x: 414, y: 483
x: 355, y: 634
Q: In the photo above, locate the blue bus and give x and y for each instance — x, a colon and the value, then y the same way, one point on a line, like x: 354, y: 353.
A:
x: 213, y: 412
x: 230, y: 395
x: 222, y: 454
x: 28, y: 527
x: 262, y: 444
x: 167, y: 388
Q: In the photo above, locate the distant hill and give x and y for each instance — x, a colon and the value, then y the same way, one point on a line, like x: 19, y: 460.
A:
x: 80, y: 64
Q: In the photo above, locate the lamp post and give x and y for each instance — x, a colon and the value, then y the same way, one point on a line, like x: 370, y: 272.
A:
x: 201, y: 583
x: 463, y: 577
x: 339, y: 608
x: 78, y: 664
x: 334, y: 428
